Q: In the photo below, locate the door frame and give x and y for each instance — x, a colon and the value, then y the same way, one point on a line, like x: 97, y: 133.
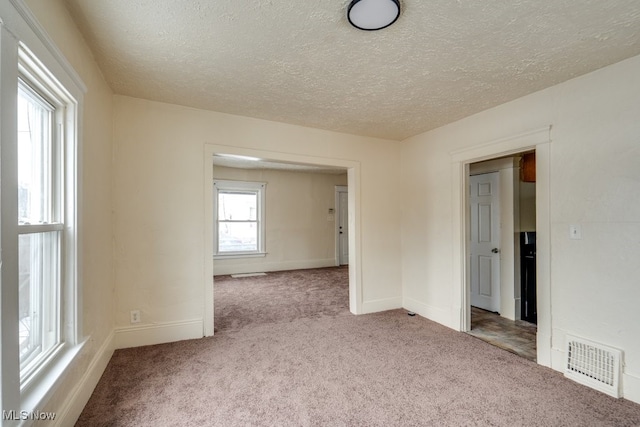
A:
x: 353, y: 184
x: 540, y: 141
x: 338, y: 189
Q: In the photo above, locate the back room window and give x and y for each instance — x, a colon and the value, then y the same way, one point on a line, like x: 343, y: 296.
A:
x: 239, y: 218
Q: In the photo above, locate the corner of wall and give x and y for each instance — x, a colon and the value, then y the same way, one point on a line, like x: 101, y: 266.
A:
x: 433, y: 313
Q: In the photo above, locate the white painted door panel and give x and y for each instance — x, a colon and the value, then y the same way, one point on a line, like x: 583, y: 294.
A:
x: 484, y: 201
x: 343, y: 227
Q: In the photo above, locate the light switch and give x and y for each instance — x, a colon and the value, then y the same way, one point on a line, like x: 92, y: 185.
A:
x: 575, y: 232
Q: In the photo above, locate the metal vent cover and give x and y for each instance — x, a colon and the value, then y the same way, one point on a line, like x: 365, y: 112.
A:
x: 594, y: 365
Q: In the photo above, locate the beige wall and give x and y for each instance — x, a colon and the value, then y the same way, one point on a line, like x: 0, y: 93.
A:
x: 97, y: 267
x: 160, y: 201
x: 594, y: 182
x: 297, y: 232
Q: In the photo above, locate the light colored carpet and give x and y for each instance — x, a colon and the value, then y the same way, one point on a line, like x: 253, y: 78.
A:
x: 281, y: 296
x: 336, y: 369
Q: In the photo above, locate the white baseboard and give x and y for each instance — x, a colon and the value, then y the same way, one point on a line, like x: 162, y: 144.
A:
x: 558, y: 359
x: 158, y: 333
x: 436, y: 314
x: 222, y: 267
x: 383, y: 304
x: 631, y: 387
x: 79, y: 396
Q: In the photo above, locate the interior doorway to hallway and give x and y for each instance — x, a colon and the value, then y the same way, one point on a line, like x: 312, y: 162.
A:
x: 342, y: 225
x: 501, y: 235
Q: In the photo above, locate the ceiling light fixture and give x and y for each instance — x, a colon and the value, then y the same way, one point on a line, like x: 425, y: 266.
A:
x: 371, y: 15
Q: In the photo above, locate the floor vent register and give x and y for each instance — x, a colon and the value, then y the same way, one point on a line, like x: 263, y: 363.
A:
x: 594, y: 365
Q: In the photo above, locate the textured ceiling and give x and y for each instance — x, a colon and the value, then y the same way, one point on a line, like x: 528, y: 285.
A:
x: 302, y: 63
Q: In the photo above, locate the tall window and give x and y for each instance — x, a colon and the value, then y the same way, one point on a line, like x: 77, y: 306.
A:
x: 40, y: 162
x: 239, y: 218
x: 43, y: 212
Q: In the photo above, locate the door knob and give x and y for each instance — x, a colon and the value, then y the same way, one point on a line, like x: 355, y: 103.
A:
x: 495, y: 250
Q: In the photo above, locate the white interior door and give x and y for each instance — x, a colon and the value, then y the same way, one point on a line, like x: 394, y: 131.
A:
x: 484, y: 200
x: 342, y: 198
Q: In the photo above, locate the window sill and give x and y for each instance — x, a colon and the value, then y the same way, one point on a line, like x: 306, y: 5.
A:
x: 43, y: 383
x: 240, y: 255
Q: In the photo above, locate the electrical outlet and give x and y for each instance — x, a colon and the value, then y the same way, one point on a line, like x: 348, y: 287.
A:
x: 135, y: 316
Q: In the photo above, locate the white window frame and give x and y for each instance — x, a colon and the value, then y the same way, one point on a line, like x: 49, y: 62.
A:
x: 50, y: 333
x: 27, y: 52
x: 36, y: 76
x: 257, y: 188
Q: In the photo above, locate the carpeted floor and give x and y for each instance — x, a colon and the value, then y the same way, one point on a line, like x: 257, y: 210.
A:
x: 282, y: 296
x: 325, y: 367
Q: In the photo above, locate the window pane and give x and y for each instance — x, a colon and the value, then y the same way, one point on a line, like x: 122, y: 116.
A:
x: 237, y: 206
x: 34, y: 158
x: 39, y: 280
x: 237, y: 236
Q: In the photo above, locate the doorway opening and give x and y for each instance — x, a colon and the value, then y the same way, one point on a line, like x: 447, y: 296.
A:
x: 503, y: 156
x: 502, y: 230
x: 294, y: 162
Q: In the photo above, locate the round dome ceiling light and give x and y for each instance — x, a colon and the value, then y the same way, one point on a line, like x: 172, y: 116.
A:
x: 371, y: 15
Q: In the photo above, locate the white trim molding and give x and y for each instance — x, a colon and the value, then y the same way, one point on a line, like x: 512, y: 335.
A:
x: 256, y: 189
x: 538, y: 140
x: 631, y: 386
x: 503, y: 146
x: 353, y: 178
x: 430, y: 312
x: 76, y: 400
x: 273, y: 266
x: 37, y: 29
x: 157, y: 333
x: 22, y: 38
x: 382, y: 304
